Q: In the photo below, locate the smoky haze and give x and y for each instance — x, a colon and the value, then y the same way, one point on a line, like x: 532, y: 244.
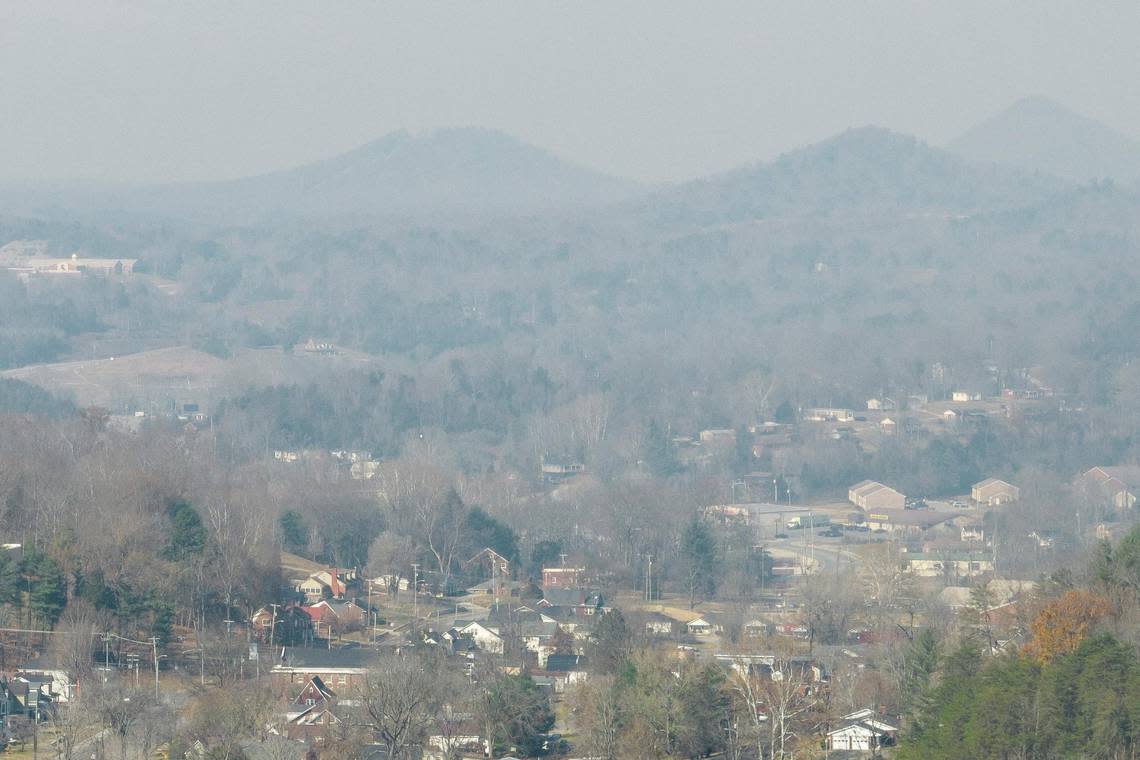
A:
x: 160, y: 92
x: 632, y: 380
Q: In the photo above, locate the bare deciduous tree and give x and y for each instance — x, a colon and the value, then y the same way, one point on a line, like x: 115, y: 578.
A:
x: 597, y: 711
x: 400, y: 698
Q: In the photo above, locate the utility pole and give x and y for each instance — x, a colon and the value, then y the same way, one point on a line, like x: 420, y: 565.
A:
x: 649, y: 579
x: 811, y: 520
x: 154, y: 649
x: 416, y: 591
x: 273, y: 626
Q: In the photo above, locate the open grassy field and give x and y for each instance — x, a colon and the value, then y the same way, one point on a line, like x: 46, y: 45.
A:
x: 156, y: 380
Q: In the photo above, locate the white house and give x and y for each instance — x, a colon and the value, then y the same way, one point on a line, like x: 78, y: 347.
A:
x: 863, y: 733
x: 487, y: 639
x: 854, y: 737
x: 700, y: 627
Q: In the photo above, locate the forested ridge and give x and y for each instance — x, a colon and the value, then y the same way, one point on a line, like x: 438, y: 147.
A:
x: 427, y: 411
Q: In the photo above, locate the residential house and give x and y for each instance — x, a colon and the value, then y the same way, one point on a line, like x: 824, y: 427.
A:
x: 25, y: 696
x: 487, y: 638
x: 263, y: 618
x: 322, y: 620
x: 312, y: 692
x: 567, y: 670
x: 343, y: 670
x: 703, y: 626
x: 332, y: 581
x: 1116, y: 486
x: 757, y: 628
x: 292, y: 624
x: 993, y: 492
x: 491, y: 564
x: 963, y: 396
x: 562, y: 577
x: 577, y: 601
x: 870, y: 494
x: 537, y: 634
x: 887, y: 426
x: 349, y: 614
x: 451, y: 640
x: 569, y: 619
x: 312, y: 725
x: 862, y: 732
x: 311, y: 589
x: 58, y: 684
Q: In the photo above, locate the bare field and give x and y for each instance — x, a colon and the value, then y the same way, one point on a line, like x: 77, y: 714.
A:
x: 158, y: 379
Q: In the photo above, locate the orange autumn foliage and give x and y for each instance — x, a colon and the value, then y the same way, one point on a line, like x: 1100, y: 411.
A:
x: 1061, y: 625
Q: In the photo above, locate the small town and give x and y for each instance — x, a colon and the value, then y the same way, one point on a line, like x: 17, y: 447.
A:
x: 729, y: 380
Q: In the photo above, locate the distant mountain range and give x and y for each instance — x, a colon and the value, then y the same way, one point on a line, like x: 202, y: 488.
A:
x: 1031, y: 151
x: 463, y: 170
x: 1038, y: 134
x: 864, y: 169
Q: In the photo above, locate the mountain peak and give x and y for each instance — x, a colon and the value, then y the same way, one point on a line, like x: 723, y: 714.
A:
x: 1039, y: 134
x: 465, y: 170
x: 863, y: 169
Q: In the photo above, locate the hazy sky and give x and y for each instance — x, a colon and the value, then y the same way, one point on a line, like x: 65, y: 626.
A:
x: 180, y: 89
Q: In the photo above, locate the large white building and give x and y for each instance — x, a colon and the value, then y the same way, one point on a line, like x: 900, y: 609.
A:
x: 869, y: 494
x: 947, y: 564
x: 992, y: 492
